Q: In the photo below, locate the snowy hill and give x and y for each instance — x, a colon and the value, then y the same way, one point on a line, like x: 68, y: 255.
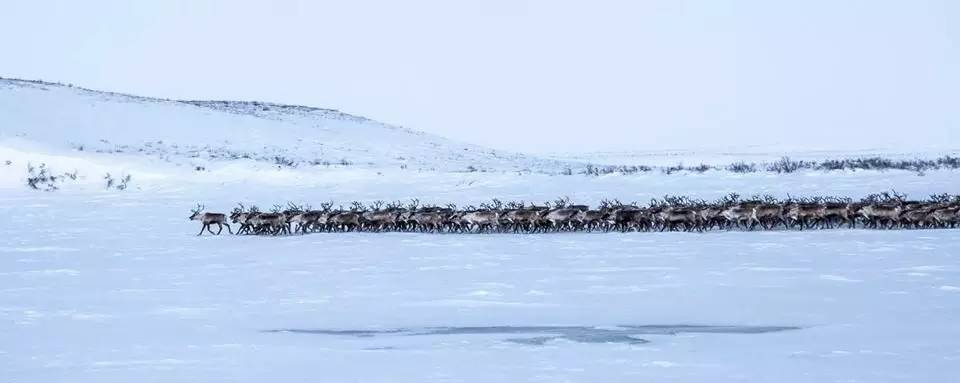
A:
x: 83, y: 136
x: 41, y: 117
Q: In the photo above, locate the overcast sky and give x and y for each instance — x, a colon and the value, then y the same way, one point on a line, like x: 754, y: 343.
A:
x: 531, y: 75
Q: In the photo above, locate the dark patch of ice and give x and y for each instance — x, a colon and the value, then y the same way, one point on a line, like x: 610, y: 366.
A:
x: 625, y: 334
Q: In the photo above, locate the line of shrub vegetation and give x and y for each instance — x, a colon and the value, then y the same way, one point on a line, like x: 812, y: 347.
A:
x: 783, y: 165
x: 43, y: 178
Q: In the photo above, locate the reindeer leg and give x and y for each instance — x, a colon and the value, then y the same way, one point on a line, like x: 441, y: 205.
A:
x: 201, y: 229
x: 210, y: 229
x: 228, y: 228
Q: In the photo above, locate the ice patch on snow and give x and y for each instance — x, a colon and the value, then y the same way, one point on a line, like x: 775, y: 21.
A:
x: 838, y: 278
x: 625, y: 334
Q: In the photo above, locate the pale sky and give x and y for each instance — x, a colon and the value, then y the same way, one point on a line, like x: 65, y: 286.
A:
x: 533, y: 76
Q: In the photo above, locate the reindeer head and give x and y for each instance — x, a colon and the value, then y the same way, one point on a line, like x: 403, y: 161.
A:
x: 326, y: 206
x: 196, y: 213
x: 236, y: 211
x: 395, y: 205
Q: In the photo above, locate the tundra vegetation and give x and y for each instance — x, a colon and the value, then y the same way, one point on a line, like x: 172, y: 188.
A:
x: 284, y: 158
x: 784, y: 165
x: 887, y: 210
x: 42, y: 178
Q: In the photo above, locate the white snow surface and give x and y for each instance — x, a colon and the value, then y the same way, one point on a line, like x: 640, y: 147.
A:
x: 114, y: 286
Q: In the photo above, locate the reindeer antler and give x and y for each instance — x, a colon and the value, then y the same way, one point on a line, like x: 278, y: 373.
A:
x: 294, y: 207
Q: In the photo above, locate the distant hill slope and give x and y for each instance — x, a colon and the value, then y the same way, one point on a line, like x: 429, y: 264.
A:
x: 58, y: 116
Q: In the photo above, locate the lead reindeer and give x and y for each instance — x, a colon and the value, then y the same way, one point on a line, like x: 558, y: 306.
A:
x: 208, y: 219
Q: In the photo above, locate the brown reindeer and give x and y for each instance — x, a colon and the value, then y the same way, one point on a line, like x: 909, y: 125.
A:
x: 344, y: 221
x: 710, y: 216
x: 308, y: 220
x: 839, y: 213
x: 946, y: 217
x: 274, y: 223
x: 738, y: 215
x: 522, y: 219
x: 677, y: 217
x: 592, y: 219
x: 804, y: 215
x: 208, y: 219
x: 480, y: 220
x: 766, y: 215
x: 380, y: 220
x: 882, y: 215
x: 560, y: 219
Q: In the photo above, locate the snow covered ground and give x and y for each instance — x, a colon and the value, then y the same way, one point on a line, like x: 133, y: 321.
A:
x: 113, y: 286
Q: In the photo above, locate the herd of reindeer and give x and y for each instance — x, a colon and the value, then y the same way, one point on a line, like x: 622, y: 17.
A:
x: 876, y: 211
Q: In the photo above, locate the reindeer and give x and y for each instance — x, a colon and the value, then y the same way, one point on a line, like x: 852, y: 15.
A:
x: 559, y: 219
x: 208, y: 219
x: 380, y: 220
x: 428, y: 220
x: 766, y: 215
x: 710, y: 217
x: 628, y: 217
x: 273, y: 223
x: 946, y: 216
x: 673, y: 217
x: 839, y: 213
x: 484, y: 220
x: 592, y: 219
x: 240, y: 216
x: 522, y: 219
x: 803, y: 215
x: 887, y: 211
x: 308, y: 220
x: 738, y: 215
x: 345, y: 221
x: 882, y: 215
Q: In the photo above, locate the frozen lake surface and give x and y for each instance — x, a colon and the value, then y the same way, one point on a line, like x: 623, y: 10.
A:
x: 116, y: 288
